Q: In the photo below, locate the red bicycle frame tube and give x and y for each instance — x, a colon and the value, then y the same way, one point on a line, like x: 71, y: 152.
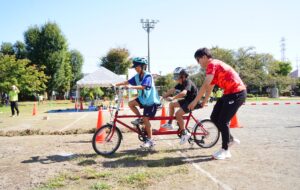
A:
x: 155, y: 132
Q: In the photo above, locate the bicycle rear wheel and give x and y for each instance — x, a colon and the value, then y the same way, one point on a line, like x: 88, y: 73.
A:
x: 206, y: 134
x: 104, y: 143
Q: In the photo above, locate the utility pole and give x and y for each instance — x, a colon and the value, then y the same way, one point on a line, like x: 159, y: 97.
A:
x: 148, y: 25
x: 282, y: 45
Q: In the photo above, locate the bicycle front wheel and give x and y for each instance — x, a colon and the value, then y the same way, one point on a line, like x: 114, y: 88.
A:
x: 206, y: 134
x: 105, y: 141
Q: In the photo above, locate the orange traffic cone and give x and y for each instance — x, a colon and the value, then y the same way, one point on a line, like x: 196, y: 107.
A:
x: 162, y: 122
x: 234, y: 123
x: 101, y: 136
x: 100, y: 119
x: 34, y: 111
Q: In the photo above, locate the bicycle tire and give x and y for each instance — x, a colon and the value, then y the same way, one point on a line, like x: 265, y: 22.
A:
x: 208, y: 140
x: 101, y: 143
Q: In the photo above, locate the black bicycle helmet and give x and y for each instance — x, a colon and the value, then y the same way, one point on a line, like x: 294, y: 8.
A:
x: 178, y: 72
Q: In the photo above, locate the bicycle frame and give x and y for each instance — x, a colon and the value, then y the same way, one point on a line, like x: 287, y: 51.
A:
x: 107, y: 139
x: 117, y: 118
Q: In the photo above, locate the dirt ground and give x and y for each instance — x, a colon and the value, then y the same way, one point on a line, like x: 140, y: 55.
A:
x: 267, y: 158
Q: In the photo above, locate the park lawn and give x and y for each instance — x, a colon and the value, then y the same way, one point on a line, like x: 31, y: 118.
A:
x: 27, y: 107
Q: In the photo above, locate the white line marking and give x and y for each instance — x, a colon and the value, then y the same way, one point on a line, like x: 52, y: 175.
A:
x: 197, y: 167
x: 224, y: 186
x: 70, y: 125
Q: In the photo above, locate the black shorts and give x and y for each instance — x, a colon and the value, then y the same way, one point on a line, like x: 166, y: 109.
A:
x: 184, y: 105
x: 149, y: 111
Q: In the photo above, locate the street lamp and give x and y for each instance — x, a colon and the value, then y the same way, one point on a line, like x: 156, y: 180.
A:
x: 148, y: 25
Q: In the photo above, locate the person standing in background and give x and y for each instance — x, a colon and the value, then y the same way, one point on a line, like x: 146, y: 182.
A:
x: 13, y: 98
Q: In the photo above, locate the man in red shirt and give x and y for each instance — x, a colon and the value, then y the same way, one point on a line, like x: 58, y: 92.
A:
x: 223, y: 75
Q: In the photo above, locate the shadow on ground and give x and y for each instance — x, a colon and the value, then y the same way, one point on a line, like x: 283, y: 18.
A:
x: 56, y: 158
x: 134, y: 158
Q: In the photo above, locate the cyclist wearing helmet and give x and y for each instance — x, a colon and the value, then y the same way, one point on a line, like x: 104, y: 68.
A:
x: 186, y: 91
x: 147, y: 96
x: 223, y: 75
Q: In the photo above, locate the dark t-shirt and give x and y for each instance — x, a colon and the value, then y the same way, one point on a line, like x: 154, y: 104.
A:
x: 191, y: 89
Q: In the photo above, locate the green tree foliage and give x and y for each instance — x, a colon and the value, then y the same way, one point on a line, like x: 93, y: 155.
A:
x: 76, y: 62
x: 63, y: 76
x: 7, y: 48
x: 116, y: 60
x: 20, y: 50
x: 47, y: 47
x: 27, y: 77
x: 258, y: 71
x: 198, y: 78
x: 224, y: 54
x: 164, y: 83
x: 91, y: 93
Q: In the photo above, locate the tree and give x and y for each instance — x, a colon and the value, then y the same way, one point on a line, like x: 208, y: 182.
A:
x: 63, y: 76
x: 76, y: 62
x: 27, y: 77
x: 116, y: 61
x: 20, y: 50
x: 225, y: 55
x: 193, y: 69
x: 164, y: 83
x: 91, y: 93
x: 7, y: 48
x: 278, y: 75
x: 198, y: 78
x: 47, y: 47
x: 284, y: 68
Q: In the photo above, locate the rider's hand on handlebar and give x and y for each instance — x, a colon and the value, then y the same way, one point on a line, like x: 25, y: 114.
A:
x: 126, y: 87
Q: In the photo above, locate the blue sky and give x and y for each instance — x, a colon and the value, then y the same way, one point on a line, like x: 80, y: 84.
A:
x: 95, y: 26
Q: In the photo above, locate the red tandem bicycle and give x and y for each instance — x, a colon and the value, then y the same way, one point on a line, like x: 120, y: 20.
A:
x: 107, y: 138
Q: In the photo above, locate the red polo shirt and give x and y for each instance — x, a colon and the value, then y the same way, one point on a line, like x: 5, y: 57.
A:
x: 224, y: 76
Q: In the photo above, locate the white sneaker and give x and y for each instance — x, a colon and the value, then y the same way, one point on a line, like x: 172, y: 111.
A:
x: 185, y: 138
x: 137, y: 121
x: 234, y: 142
x: 167, y: 126
x: 222, y: 154
x: 148, y: 144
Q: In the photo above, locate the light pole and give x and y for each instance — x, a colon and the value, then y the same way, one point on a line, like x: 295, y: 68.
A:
x: 148, y: 25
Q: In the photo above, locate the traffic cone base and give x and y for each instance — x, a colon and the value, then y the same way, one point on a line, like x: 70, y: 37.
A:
x: 234, y: 123
x: 162, y: 122
x: 100, y: 137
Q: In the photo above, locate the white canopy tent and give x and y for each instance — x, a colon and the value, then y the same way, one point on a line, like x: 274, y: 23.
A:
x: 102, y: 77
